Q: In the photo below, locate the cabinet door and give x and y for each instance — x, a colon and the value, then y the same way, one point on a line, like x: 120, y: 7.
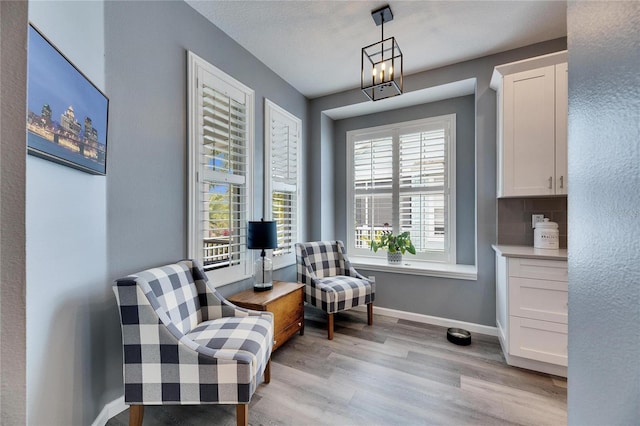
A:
x: 529, y: 133
x: 539, y: 340
x: 562, y: 112
x: 502, y: 297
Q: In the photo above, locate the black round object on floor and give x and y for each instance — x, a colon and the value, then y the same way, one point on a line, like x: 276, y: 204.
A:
x: 459, y: 336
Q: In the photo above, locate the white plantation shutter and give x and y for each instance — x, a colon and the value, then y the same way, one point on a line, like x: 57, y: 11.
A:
x: 402, y: 179
x: 282, y: 146
x: 373, y: 187
x: 220, y: 147
x: 223, y: 179
x: 422, y: 188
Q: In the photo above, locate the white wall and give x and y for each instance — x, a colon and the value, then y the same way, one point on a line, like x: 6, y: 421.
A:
x: 66, y: 248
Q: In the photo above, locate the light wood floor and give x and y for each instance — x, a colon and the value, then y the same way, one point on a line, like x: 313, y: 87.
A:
x: 396, y: 372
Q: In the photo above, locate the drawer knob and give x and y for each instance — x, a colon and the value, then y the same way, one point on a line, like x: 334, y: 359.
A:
x: 299, y: 324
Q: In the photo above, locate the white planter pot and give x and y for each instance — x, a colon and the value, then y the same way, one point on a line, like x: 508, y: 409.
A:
x: 394, y: 258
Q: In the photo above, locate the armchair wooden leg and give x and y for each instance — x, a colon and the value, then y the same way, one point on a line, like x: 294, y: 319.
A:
x: 370, y: 313
x: 267, y: 372
x: 330, y: 326
x: 136, y: 413
x: 242, y: 414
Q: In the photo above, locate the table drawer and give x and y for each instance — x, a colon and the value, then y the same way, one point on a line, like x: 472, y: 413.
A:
x: 539, y: 340
x: 538, y: 299
x: 284, y: 334
x: 555, y: 270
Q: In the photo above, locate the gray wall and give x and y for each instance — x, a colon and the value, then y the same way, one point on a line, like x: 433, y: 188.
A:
x: 146, y: 46
x: 464, y: 109
x: 425, y: 295
x: 454, y: 299
x: 604, y: 213
x: 13, y: 57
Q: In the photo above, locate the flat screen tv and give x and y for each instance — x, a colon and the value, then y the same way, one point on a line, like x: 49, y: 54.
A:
x: 67, y: 114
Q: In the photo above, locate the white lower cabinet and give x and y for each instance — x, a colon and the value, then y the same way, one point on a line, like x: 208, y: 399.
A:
x: 532, y: 307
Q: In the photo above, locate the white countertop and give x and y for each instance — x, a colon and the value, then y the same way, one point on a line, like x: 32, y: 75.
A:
x: 529, y: 252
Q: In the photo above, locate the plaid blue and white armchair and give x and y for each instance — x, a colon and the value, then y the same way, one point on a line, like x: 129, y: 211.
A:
x: 331, y: 283
x: 184, y: 343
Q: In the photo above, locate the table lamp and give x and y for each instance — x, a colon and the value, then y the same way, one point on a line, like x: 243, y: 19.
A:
x: 262, y: 235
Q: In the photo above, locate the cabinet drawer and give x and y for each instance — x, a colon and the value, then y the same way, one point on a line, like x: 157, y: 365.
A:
x: 538, y: 269
x: 538, y: 299
x: 287, y: 310
x: 539, y: 340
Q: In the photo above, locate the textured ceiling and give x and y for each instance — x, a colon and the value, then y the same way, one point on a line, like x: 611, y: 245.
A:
x: 315, y: 45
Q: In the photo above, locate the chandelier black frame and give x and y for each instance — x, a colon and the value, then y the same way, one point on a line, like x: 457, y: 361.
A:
x: 381, y: 62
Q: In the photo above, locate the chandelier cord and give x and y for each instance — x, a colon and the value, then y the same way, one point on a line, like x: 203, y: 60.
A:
x: 382, y: 37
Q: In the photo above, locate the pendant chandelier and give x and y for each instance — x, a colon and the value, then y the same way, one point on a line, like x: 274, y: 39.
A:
x: 381, y: 75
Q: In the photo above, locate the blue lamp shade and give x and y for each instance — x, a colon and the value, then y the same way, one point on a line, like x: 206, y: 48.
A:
x: 262, y: 235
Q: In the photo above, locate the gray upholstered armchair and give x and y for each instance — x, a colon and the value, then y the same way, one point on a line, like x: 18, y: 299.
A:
x: 183, y: 343
x: 331, y: 283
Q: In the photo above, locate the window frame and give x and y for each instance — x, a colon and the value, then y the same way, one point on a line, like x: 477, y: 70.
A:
x: 197, y: 67
x: 446, y: 121
x: 271, y: 109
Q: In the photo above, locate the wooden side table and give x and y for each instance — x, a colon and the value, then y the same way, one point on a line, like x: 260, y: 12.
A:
x: 285, y: 301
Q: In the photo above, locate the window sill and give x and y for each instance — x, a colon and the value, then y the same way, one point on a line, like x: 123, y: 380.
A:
x: 217, y: 280
x: 412, y: 267
x: 283, y: 265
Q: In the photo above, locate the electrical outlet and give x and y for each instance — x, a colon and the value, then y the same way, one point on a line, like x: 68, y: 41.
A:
x: 535, y: 218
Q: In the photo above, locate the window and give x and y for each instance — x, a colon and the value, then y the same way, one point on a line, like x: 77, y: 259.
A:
x: 282, y: 185
x: 220, y: 153
x: 402, y: 178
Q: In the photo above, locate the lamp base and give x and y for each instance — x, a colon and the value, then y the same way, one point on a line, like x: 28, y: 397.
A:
x: 262, y: 286
x: 263, y: 273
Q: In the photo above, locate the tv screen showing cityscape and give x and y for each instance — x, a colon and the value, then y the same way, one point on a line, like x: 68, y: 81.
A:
x: 67, y: 114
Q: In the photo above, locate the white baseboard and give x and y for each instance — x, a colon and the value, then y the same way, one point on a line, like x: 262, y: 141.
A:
x: 110, y: 410
x: 428, y: 319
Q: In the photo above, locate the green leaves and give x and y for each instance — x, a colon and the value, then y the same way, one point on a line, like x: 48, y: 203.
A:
x: 394, y: 243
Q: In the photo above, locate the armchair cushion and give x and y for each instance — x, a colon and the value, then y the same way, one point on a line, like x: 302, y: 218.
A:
x: 341, y: 292
x: 236, y: 338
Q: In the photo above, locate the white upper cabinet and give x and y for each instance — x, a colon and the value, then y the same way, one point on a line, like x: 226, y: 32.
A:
x: 532, y: 126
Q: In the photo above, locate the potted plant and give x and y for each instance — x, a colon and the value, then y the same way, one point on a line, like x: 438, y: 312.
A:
x: 396, y: 246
